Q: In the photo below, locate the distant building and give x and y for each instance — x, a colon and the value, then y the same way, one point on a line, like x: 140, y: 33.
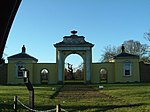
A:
x: 124, y: 67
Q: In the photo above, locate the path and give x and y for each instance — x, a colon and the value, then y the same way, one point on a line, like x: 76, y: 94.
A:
x: 79, y: 92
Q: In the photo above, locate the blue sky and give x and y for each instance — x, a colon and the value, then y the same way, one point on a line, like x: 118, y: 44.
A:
x: 41, y: 23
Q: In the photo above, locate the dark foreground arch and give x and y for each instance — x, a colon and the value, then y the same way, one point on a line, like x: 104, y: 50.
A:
x: 7, y: 14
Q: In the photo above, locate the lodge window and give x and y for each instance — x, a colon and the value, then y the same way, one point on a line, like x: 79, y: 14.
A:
x: 19, y: 72
x: 127, y: 69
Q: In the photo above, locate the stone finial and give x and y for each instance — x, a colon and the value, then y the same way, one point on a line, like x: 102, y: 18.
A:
x: 73, y: 32
x: 122, y: 48
x: 23, y: 49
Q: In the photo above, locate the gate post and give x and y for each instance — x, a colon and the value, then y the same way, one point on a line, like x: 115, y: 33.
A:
x: 58, y: 108
x: 15, y: 103
x: 29, y: 87
x: 31, y: 99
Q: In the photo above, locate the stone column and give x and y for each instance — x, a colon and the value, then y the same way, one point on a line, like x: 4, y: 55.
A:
x: 88, y: 66
x: 60, y: 76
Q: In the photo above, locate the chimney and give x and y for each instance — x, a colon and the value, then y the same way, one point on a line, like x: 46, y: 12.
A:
x: 123, y: 48
x: 23, y: 49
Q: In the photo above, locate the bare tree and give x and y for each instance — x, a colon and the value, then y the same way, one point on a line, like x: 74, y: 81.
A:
x: 147, y: 35
x: 109, y: 53
x: 131, y: 46
x: 135, y: 47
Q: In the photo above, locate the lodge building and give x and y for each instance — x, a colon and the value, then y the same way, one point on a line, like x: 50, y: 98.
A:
x: 123, y: 68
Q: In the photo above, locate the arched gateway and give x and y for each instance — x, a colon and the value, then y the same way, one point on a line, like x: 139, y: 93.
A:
x: 73, y: 44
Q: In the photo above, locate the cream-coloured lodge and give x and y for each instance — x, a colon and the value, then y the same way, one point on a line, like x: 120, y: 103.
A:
x: 123, y: 68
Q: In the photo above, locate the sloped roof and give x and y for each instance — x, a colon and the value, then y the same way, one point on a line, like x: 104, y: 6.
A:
x: 123, y: 54
x: 22, y: 55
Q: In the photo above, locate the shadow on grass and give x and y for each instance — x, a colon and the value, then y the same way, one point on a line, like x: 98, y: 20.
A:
x: 56, y: 93
x: 99, y: 108
x: 9, y: 108
x: 5, y: 107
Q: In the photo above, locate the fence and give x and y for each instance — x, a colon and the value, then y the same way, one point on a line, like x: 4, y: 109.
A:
x: 57, y: 109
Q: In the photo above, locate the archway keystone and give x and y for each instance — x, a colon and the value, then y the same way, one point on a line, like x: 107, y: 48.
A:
x: 70, y: 45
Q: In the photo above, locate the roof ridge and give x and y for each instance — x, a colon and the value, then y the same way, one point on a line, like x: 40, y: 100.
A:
x: 22, y: 55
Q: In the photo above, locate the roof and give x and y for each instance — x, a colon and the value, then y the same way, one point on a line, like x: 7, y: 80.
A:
x: 123, y: 54
x: 74, y: 40
x: 23, y: 55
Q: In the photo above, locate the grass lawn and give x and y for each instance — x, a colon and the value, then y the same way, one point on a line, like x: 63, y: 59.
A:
x: 113, y: 98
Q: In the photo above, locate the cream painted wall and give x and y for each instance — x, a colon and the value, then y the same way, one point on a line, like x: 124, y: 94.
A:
x: 34, y: 69
x: 52, y: 76
x: 119, y: 75
x: 114, y: 71
x: 95, y: 77
x: 12, y: 71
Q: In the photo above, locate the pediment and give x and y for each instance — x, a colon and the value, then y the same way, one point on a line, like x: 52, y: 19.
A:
x: 74, y: 40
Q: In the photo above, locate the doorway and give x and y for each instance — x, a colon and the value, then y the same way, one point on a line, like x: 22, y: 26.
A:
x: 74, y: 68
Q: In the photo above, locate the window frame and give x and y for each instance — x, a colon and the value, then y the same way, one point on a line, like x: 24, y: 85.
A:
x: 19, y: 72
x: 126, y: 65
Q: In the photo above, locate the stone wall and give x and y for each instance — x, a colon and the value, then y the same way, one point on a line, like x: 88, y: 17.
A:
x: 144, y: 72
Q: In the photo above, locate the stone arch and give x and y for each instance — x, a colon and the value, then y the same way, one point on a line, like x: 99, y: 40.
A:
x: 80, y: 53
x: 70, y: 45
x: 75, y: 73
x: 44, y: 75
x: 103, y: 75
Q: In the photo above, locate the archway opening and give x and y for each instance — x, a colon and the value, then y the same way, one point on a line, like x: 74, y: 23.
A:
x: 103, y: 75
x: 74, y: 68
x: 44, y: 76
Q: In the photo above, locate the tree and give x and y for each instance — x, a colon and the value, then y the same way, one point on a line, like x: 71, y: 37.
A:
x: 131, y: 46
x: 136, y: 48
x: 147, y: 35
x: 109, y: 53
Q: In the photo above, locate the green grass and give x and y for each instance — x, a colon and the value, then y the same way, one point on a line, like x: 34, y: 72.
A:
x: 42, y: 97
x: 115, y: 98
